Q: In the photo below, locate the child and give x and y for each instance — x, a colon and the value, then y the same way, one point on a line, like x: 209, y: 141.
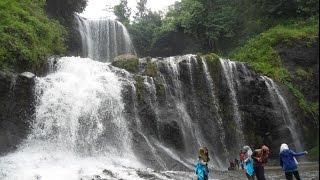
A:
x: 201, y: 168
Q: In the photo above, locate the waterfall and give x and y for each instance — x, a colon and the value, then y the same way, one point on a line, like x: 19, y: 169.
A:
x: 279, y: 101
x: 232, y: 79
x: 79, y: 120
x: 93, y: 118
x: 216, y: 104
x: 77, y: 104
x: 96, y: 121
x: 104, y: 39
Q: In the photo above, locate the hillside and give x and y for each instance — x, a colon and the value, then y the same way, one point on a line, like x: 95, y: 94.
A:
x: 28, y: 37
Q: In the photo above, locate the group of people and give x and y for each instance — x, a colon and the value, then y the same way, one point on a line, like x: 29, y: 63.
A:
x: 253, y: 162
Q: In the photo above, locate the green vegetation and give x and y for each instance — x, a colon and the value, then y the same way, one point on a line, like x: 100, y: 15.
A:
x: 309, y: 108
x: 314, y: 152
x: 260, y: 53
x: 160, y: 89
x: 28, y: 37
x: 127, y: 62
x: 151, y: 68
x: 211, y: 57
x: 139, y: 88
x: 220, y: 24
x: 63, y: 10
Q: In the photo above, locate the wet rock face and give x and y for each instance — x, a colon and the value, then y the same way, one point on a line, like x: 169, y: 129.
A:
x: 303, y: 55
x: 301, y: 58
x: 16, y: 108
x: 192, y: 101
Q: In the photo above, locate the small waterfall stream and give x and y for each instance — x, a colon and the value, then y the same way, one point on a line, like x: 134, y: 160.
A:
x: 104, y: 39
x: 279, y: 101
x: 231, y: 76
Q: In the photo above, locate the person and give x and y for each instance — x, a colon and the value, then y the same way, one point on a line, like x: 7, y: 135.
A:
x: 236, y: 161
x: 201, y: 168
x: 241, y: 157
x: 260, y: 158
x: 288, y: 162
x: 248, y: 162
x: 232, y: 165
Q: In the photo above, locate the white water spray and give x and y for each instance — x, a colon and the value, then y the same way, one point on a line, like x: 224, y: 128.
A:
x: 79, y: 123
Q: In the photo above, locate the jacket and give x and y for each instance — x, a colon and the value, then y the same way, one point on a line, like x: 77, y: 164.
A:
x: 201, y: 171
x: 249, y: 167
x: 287, y: 161
x: 259, y: 158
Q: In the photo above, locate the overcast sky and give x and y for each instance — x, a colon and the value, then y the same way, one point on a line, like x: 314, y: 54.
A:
x: 97, y: 8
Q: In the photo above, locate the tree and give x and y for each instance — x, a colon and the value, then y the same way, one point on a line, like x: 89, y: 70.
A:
x: 64, y: 9
x: 123, y: 12
x: 142, y: 10
x: 307, y: 8
x: 143, y: 32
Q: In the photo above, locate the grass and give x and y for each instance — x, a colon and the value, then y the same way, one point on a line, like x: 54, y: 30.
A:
x: 259, y: 52
x: 28, y: 37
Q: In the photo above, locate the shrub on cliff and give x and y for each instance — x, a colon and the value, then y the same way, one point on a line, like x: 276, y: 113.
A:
x: 28, y: 37
x: 128, y: 62
x: 260, y: 52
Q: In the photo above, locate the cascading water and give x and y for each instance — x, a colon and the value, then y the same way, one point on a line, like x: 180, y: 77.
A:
x: 104, y: 39
x: 95, y: 119
x: 79, y: 121
x: 216, y: 105
x: 232, y: 79
x: 279, y: 102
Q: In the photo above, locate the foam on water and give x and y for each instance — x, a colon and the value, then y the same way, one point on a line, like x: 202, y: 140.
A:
x: 79, y: 128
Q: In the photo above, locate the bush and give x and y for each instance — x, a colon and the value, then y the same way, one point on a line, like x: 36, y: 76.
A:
x: 28, y: 37
x: 128, y: 62
x: 260, y: 53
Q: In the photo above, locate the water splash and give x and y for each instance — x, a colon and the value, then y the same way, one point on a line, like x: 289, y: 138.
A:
x: 79, y: 121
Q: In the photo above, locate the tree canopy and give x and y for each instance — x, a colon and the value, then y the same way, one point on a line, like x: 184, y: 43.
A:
x: 221, y: 24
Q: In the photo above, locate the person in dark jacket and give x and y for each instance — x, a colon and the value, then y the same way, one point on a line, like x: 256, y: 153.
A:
x: 260, y: 158
x: 288, y: 162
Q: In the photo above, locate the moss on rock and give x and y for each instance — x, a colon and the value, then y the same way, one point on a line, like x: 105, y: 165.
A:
x: 160, y: 89
x: 139, y: 88
x: 212, y: 57
x: 128, y: 62
x: 150, y: 68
